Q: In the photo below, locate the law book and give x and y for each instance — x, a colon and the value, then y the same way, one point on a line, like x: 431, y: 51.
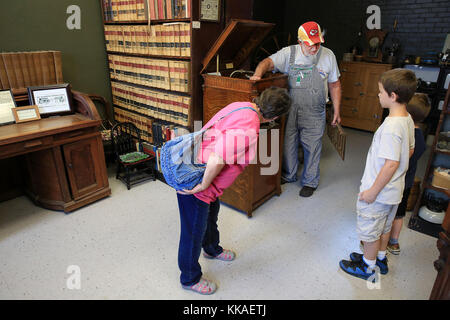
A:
x: 140, y: 10
x: 120, y: 10
x: 156, y: 37
x: 176, y: 30
x: 126, y: 10
x: 134, y: 37
x: 188, y: 8
x: 171, y: 39
x: 165, y: 72
x: 151, y: 9
x: 186, y: 105
x: 161, y: 14
x: 183, y: 11
x: 169, y: 9
x: 166, y: 40
x: 134, y: 10
x: 183, y: 39
x: 166, y: 110
x: 150, y: 40
x: 187, y: 45
x: 126, y: 38
x: 141, y: 72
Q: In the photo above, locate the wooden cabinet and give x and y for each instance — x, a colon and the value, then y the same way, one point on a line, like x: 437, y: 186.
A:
x: 240, y: 37
x: 360, y: 107
x: 61, y: 161
x: 83, y: 168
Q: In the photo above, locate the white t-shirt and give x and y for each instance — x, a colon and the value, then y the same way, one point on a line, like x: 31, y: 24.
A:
x: 393, y: 140
x: 327, y: 64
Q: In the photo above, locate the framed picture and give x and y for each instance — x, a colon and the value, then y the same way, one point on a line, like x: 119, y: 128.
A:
x: 7, y: 103
x: 52, y: 99
x: 372, y: 52
x: 210, y: 10
x: 28, y: 113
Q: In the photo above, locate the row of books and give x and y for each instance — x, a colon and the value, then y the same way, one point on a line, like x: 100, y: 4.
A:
x: 142, y: 10
x: 164, y: 74
x: 154, y: 148
x: 143, y: 123
x: 172, y: 39
x: 150, y: 130
x: 125, y: 10
x: 158, y: 105
x: 25, y: 69
x: 169, y: 9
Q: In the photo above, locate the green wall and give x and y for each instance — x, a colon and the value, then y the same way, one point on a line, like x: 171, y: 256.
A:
x: 29, y: 25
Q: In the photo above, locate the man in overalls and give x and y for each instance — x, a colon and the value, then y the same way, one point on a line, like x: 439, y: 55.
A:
x: 312, y: 71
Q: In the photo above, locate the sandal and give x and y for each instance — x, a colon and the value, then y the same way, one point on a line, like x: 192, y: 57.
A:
x: 226, y: 255
x: 203, y: 287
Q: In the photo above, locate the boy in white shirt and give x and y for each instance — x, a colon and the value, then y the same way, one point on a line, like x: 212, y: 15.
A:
x: 384, y: 176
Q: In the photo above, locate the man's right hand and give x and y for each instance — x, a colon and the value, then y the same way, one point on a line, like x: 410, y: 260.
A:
x: 255, y: 78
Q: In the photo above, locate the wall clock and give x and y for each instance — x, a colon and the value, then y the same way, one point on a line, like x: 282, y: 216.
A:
x: 210, y: 10
x: 372, y: 52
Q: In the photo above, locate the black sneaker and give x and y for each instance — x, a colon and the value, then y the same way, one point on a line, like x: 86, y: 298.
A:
x: 357, y: 269
x: 307, y: 191
x: 382, y: 264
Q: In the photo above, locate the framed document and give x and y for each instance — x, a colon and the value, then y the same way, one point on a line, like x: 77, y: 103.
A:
x: 28, y: 113
x: 210, y: 10
x: 52, y: 99
x: 7, y: 103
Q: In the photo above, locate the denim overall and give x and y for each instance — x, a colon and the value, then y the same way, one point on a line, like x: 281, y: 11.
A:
x: 306, y: 121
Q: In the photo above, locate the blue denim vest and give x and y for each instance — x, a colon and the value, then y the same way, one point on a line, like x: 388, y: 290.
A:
x: 179, y: 159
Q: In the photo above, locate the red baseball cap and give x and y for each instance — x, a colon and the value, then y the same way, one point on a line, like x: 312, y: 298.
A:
x: 310, y: 33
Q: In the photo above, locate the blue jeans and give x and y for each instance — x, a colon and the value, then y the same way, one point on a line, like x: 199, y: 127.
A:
x: 198, y: 229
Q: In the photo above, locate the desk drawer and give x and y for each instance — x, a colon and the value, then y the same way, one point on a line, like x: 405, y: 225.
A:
x: 74, y: 133
x: 25, y: 146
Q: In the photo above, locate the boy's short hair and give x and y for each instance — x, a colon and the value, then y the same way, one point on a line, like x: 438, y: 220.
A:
x: 402, y: 82
x: 419, y: 107
x: 273, y: 102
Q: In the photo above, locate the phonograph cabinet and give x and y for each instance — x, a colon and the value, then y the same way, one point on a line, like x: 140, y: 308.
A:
x: 225, y: 82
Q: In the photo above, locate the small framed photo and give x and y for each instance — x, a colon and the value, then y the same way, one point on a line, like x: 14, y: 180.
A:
x: 52, y: 99
x: 28, y: 113
x: 7, y: 103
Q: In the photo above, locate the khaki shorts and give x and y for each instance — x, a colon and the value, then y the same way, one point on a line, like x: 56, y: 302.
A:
x: 374, y: 219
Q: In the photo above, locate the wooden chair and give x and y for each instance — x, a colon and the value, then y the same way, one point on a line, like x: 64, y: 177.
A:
x: 133, y: 165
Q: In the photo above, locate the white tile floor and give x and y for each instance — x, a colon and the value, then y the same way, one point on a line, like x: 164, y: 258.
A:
x: 126, y: 245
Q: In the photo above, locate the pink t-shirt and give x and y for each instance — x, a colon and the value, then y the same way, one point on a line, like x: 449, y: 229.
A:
x: 234, y: 138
